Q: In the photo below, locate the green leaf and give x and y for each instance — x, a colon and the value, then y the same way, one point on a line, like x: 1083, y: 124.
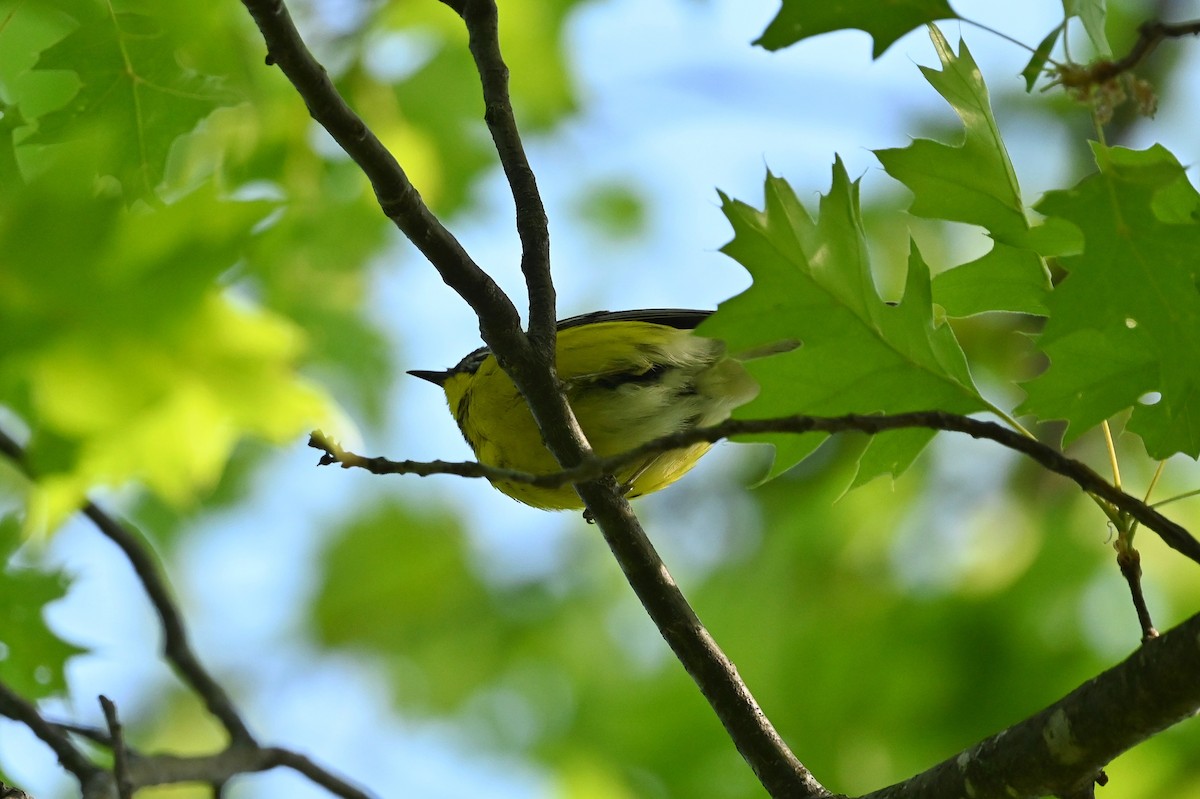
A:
x: 1124, y: 322
x: 885, y: 20
x: 398, y: 584
x: 133, y: 90
x: 1092, y: 13
x: 125, y: 358
x: 382, y: 566
x: 1093, y: 376
x: 812, y: 283
x: 974, y: 183
x: 32, y: 657
x: 890, y: 453
x: 1005, y: 279
x: 1037, y: 62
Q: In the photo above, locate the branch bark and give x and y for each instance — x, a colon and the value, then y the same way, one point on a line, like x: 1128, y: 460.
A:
x: 529, y: 362
x: 132, y: 771
x: 1150, y: 35
x: 483, y: 26
x: 1172, y: 533
x: 1061, y: 750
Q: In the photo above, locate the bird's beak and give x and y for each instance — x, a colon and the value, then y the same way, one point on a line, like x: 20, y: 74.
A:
x: 437, y: 378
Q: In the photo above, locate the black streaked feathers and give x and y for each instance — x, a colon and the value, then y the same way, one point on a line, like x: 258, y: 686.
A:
x: 678, y: 318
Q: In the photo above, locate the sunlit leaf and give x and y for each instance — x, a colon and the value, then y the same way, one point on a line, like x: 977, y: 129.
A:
x: 1124, y: 322
x: 126, y: 358
x: 975, y: 183
x: 132, y: 87
x: 885, y: 20
x: 858, y: 354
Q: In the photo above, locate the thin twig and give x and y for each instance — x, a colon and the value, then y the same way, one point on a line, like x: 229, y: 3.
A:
x: 1129, y: 560
x: 483, y: 26
x: 176, y: 647
x: 16, y: 708
x: 1172, y: 533
x: 397, y: 196
x: 93, y: 734
x: 1150, y: 35
x: 125, y: 785
x: 302, y: 765
x: 220, y: 768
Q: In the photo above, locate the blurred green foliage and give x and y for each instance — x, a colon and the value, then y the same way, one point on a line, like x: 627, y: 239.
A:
x: 185, y: 269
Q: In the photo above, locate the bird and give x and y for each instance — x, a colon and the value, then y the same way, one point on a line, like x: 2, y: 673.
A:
x: 629, y: 376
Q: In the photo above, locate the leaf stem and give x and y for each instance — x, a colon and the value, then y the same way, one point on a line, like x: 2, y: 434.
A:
x: 1112, y: 453
x: 1001, y: 34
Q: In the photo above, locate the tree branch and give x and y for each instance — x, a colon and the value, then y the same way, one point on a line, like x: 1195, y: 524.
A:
x: 120, y: 754
x: 530, y: 364
x: 9, y: 792
x: 777, y: 768
x: 397, y: 196
x: 177, y: 649
x: 1061, y: 750
x: 1172, y: 533
x: 149, y: 770
x: 85, y: 771
x: 483, y: 27
x: 1150, y: 35
x: 132, y: 770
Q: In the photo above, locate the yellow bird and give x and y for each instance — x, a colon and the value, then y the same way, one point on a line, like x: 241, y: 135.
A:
x: 630, y: 377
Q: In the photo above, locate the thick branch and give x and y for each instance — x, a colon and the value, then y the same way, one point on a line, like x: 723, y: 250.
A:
x: 1060, y: 750
x: 397, y: 196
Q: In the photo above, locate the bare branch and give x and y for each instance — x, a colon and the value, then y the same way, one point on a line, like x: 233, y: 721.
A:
x: 219, y: 768
x: 1150, y: 35
x: 125, y: 786
x: 135, y: 771
x: 483, y: 25
x: 1172, y: 533
x: 777, y: 768
x: 397, y: 196
x: 176, y: 647
x: 16, y: 708
x: 302, y: 765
